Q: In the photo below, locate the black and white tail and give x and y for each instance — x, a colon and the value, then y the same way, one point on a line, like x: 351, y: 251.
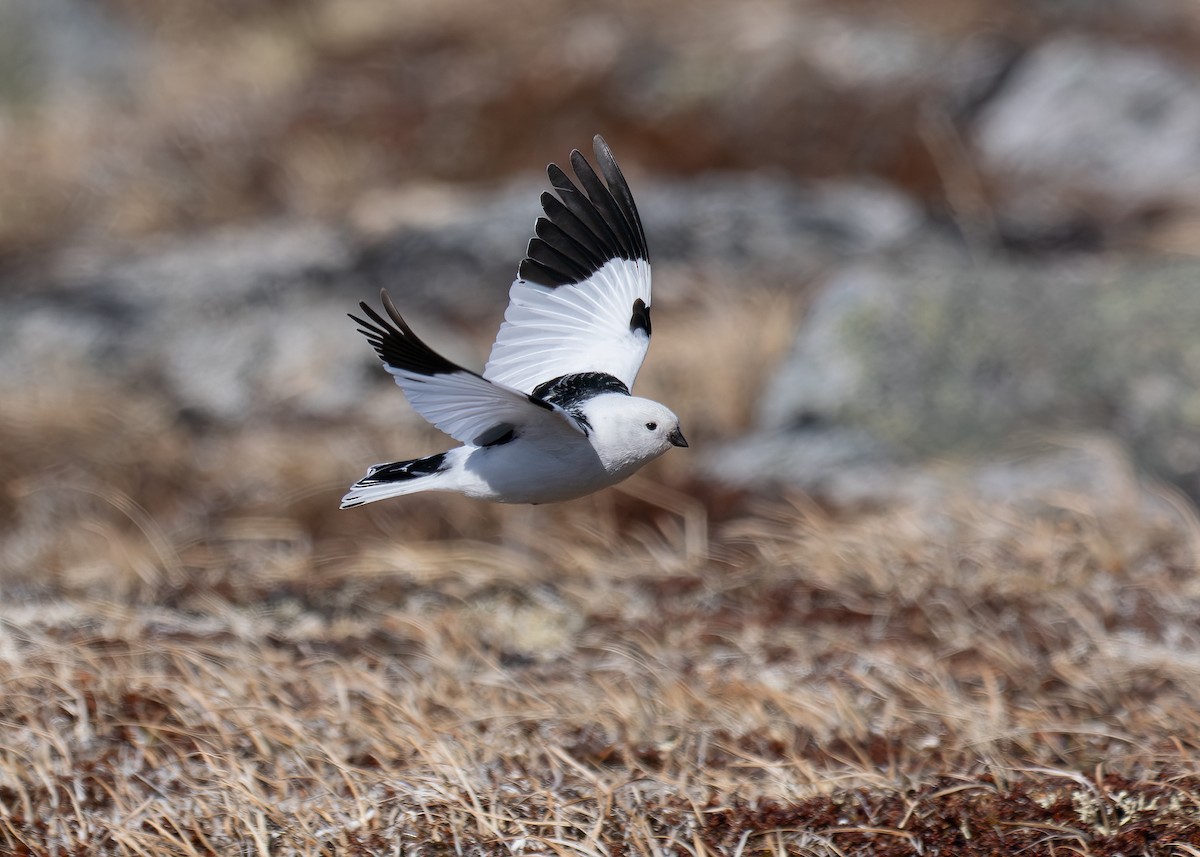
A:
x: 393, y: 479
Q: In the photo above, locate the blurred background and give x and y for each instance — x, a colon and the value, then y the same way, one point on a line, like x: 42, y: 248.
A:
x: 926, y: 298
x: 901, y: 249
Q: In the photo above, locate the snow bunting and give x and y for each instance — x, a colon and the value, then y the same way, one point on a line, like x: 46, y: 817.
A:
x: 551, y: 417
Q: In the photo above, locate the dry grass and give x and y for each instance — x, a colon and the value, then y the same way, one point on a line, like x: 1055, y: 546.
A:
x: 818, y: 687
x: 246, y: 670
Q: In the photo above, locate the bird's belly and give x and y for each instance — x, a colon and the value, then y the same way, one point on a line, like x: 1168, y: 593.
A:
x: 513, y: 473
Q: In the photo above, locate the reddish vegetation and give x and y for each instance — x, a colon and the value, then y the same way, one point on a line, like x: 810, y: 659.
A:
x: 848, y: 687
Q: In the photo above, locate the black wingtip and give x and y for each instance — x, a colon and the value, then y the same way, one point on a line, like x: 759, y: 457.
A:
x: 396, y: 344
x: 593, y: 223
x: 393, y: 313
x: 601, y: 149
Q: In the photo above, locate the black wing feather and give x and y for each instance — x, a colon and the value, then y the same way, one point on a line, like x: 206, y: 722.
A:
x: 583, y: 208
x: 584, y: 228
x: 606, y: 205
x: 397, y: 345
x: 556, y: 236
x: 545, y: 252
x: 535, y: 272
x: 561, y: 217
x: 619, y: 188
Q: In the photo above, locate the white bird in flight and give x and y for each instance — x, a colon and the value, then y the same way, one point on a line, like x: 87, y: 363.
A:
x: 551, y: 417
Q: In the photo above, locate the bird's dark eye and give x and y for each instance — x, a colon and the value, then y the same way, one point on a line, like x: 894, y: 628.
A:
x: 652, y: 426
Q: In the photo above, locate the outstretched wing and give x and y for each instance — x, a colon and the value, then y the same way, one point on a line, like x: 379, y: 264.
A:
x: 464, y: 405
x: 581, y: 300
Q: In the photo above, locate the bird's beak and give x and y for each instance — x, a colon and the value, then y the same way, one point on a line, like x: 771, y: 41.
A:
x: 676, y: 437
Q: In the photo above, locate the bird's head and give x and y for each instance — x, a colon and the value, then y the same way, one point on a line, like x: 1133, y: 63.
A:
x: 628, y: 431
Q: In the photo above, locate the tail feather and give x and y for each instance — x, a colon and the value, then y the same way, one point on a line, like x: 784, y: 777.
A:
x: 393, y: 479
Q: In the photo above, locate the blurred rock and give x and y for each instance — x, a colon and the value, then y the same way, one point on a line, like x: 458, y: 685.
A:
x: 768, y: 222
x: 236, y: 324
x: 451, y: 247
x: 65, y: 50
x: 935, y: 354
x: 1092, y: 472
x: 448, y: 249
x: 974, y: 71
x: 229, y: 324
x: 250, y: 264
x: 1089, y: 130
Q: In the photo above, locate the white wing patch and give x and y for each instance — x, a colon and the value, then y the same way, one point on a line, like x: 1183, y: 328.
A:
x: 581, y: 300
x: 466, y: 406
x: 580, y: 327
x: 469, y: 408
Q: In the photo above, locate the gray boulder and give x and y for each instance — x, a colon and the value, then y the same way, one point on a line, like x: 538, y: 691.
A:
x: 936, y: 355
x: 250, y: 322
x: 227, y: 325
x: 1088, y: 129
